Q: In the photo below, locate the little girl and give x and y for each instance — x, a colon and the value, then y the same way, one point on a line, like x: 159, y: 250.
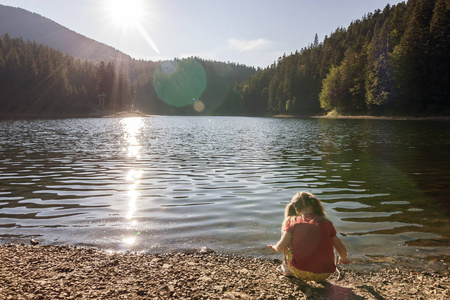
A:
x: 308, y: 239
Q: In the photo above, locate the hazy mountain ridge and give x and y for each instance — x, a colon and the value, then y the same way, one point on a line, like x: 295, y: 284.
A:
x: 18, y: 22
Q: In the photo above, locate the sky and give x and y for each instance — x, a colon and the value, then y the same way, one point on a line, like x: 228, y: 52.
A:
x: 250, y: 32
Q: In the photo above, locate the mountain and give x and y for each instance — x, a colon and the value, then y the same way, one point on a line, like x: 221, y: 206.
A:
x: 18, y: 22
x: 33, y: 48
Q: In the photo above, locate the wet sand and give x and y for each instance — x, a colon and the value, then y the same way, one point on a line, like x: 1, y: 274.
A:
x: 66, y: 272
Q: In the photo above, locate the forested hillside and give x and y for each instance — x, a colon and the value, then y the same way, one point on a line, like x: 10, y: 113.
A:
x: 74, y: 84
x: 392, y: 61
x: 215, y: 85
x: 37, y: 80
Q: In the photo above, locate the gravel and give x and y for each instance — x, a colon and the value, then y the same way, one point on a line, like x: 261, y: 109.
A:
x: 66, y: 272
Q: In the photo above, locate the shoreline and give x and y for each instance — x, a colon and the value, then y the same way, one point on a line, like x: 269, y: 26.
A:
x: 425, y: 118
x: 121, y: 114
x: 127, y: 114
x: 363, y: 117
x: 130, y: 114
x: 48, y: 271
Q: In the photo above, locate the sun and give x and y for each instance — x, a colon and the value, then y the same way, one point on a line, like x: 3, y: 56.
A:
x: 125, y: 14
x: 130, y: 16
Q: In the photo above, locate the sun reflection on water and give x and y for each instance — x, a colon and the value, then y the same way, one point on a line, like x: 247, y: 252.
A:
x: 129, y: 240
x: 133, y: 195
x: 132, y: 127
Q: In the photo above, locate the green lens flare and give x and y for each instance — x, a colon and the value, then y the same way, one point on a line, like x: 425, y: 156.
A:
x: 178, y: 82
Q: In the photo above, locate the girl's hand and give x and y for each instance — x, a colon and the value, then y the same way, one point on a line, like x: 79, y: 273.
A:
x: 272, y: 247
x: 344, y: 261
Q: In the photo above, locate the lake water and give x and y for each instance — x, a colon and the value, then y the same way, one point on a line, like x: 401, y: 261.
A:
x: 168, y: 183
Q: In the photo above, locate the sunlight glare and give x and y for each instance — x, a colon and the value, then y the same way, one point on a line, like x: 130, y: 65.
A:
x: 146, y: 37
x: 129, y: 240
x: 125, y: 13
x: 129, y: 15
x: 133, y: 195
x: 132, y: 127
x: 134, y: 176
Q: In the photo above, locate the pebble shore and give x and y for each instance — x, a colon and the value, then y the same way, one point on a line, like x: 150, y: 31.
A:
x: 66, y: 272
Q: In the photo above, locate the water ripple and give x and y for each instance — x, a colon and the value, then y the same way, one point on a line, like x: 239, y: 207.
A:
x: 165, y: 183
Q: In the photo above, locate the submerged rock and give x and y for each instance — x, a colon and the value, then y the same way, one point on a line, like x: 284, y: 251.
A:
x: 34, y: 242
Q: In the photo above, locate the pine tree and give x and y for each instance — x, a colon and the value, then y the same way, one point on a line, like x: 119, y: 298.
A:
x: 410, y: 59
x: 378, y: 81
x: 331, y: 93
x: 440, y: 56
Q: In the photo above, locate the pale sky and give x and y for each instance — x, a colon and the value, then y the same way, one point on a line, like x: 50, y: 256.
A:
x: 250, y: 32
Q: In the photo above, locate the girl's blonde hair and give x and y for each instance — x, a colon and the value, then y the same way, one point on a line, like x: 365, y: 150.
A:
x: 301, y: 200
x: 290, y: 215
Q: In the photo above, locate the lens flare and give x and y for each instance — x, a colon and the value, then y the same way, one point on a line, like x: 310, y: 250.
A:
x: 147, y: 37
x: 169, y: 66
x: 199, y: 106
x: 177, y: 83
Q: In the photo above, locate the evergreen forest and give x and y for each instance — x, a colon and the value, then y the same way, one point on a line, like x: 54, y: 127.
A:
x: 36, y: 80
x: 394, y: 61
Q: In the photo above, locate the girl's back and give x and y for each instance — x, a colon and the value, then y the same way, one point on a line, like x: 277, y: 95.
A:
x: 312, y: 246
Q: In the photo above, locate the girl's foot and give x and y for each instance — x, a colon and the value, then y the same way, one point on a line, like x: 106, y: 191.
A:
x: 285, y: 271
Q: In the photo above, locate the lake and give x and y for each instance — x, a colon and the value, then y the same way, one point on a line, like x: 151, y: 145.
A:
x: 167, y: 183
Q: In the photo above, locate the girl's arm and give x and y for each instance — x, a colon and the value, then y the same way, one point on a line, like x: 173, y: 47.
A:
x: 283, y: 243
x: 340, y: 248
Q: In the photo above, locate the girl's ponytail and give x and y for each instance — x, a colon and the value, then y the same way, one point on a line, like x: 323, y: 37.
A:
x: 290, y: 214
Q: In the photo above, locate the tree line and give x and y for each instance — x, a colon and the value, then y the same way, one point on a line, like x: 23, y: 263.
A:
x: 392, y: 61
x: 222, y: 94
x: 37, y: 80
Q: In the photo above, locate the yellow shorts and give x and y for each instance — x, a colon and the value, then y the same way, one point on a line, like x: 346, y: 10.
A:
x: 304, y: 275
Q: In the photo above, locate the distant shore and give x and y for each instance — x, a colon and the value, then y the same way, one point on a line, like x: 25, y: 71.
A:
x: 44, y: 272
x: 127, y: 114
x: 362, y: 117
x: 98, y: 114
x: 385, y: 118
x: 130, y: 114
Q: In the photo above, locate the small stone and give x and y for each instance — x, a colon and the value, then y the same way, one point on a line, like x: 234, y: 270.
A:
x: 219, y: 288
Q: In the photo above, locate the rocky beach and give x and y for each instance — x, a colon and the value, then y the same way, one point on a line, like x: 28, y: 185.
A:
x: 67, y: 272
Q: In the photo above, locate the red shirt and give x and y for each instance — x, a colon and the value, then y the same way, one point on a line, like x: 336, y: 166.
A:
x: 312, y: 245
